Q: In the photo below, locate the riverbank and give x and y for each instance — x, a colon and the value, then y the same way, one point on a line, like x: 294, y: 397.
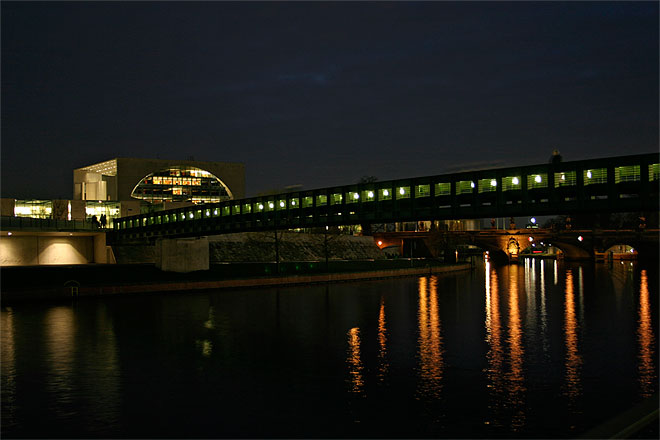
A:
x: 64, y: 282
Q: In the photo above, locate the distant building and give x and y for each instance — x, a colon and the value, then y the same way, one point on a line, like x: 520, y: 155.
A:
x: 160, y: 180
x: 124, y: 186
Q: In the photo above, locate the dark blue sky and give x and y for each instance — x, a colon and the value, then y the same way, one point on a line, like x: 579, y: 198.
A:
x: 320, y: 94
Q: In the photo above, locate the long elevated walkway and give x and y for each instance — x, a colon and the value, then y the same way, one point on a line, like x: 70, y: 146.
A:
x: 615, y: 184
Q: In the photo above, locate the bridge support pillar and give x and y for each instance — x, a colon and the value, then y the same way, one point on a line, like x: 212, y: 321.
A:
x: 182, y: 254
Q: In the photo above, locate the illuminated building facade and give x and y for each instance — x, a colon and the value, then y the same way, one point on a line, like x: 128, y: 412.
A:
x: 122, y: 187
x: 159, y: 181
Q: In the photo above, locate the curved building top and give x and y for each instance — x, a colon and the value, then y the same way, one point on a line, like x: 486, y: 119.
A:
x: 157, y: 180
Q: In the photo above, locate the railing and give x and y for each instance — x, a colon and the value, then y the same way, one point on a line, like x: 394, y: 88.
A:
x: 46, y: 224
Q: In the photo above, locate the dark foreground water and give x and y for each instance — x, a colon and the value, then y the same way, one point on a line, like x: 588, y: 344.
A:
x: 536, y: 350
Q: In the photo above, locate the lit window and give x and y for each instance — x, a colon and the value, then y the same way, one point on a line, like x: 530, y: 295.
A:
x: 442, y: 189
x: 595, y: 176
x: 464, y: 187
x: 403, y: 192
x: 537, y: 181
x: 422, y: 191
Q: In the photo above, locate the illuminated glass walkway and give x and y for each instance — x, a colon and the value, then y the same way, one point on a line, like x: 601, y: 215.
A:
x: 616, y: 184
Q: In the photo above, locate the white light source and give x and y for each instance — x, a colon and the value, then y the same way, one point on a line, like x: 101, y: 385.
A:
x: 370, y: 194
x: 402, y: 191
x: 281, y: 204
x: 515, y: 181
x: 356, y: 196
x: 293, y: 202
x: 563, y: 176
x: 537, y: 179
x: 580, y: 238
x: 533, y: 220
x: 8, y: 233
x: 271, y: 205
x: 589, y: 174
x: 531, y: 239
x: 261, y: 206
x: 380, y: 243
x: 493, y: 182
x: 386, y: 193
x: 471, y: 184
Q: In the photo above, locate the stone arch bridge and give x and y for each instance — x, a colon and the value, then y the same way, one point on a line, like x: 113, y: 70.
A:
x: 576, y: 244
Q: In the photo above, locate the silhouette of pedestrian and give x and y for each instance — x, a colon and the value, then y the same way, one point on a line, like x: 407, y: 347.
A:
x: 95, y: 221
x: 103, y: 221
x: 492, y: 223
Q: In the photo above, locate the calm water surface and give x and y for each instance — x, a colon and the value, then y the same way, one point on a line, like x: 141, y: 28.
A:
x: 542, y: 349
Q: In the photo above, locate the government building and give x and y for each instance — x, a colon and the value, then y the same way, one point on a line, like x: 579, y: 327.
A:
x: 127, y: 186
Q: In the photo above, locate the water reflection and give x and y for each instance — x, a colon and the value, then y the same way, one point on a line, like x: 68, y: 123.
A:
x: 430, y: 340
x: 354, y: 361
x: 60, y: 332
x: 495, y: 372
x: 646, y: 339
x: 516, y: 379
x: 8, y: 366
x: 573, y: 361
x: 383, y: 365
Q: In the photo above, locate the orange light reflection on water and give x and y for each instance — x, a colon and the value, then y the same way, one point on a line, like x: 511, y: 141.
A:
x: 494, y: 356
x: 382, y: 342
x: 573, y: 360
x: 516, y: 379
x: 354, y: 361
x: 646, y: 339
x: 430, y: 339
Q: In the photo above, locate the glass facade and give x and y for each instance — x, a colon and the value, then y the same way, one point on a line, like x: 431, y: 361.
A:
x: 487, y: 185
x: 595, y: 176
x: 627, y: 174
x: 181, y: 184
x: 464, y: 187
x: 511, y: 183
x: 33, y: 208
x: 537, y: 181
x: 567, y: 178
x: 443, y: 189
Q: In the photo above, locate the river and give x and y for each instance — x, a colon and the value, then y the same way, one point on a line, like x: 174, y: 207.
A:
x: 541, y: 349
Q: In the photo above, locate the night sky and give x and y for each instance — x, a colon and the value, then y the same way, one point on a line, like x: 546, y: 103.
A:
x: 320, y: 94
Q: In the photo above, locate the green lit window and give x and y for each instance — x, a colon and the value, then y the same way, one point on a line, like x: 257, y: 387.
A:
x: 537, y: 181
x: 566, y: 178
x: 422, y: 191
x: 487, y: 185
x: 368, y: 195
x: 166, y: 218
x: 144, y: 222
x: 247, y: 208
x: 216, y: 212
x: 281, y: 204
x: 191, y: 215
x: 403, y: 192
x: 321, y: 200
x: 352, y: 197
x: 225, y: 210
x: 385, y: 194
x: 159, y: 220
x: 308, y: 202
x: 270, y: 205
x: 654, y: 172
x: 259, y: 206
x: 236, y: 209
x: 511, y: 183
x: 443, y: 189
x: 198, y: 214
x: 294, y: 203
x: 595, y: 176
x: 207, y: 213
x: 627, y: 174
x: 464, y: 187
x: 335, y: 199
